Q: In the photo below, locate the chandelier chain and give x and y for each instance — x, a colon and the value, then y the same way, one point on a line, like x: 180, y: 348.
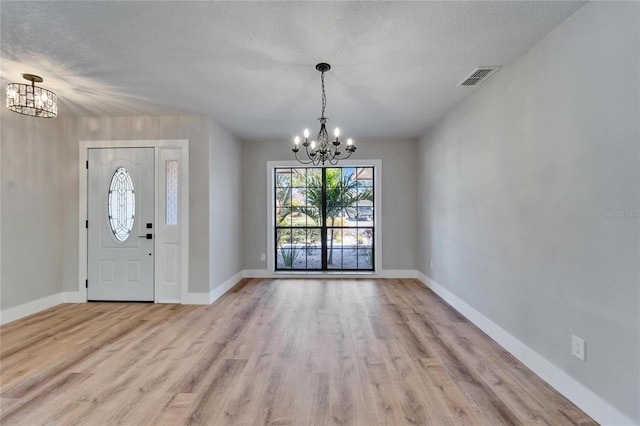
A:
x: 324, y: 96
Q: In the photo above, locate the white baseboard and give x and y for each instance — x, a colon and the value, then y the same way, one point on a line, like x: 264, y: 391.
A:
x: 30, y: 308
x: 36, y: 306
x: 196, y: 299
x: 213, y: 295
x: 256, y: 273
x: 385, y: 273
x: 72, y: 297
x: 398, y: 273
x: 599, y: 409
x: 217, y: 292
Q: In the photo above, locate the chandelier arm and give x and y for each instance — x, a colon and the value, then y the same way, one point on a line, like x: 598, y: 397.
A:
x: 340, y: 157
x: 301, y: 161
x: 313, y: 159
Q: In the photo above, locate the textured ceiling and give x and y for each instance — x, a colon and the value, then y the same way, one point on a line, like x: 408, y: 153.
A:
x: 251, y: 65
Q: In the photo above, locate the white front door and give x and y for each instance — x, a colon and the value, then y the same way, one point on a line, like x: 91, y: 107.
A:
x: 120, y: 224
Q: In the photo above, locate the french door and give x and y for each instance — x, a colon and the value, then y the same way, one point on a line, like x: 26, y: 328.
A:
x: 324, y: 218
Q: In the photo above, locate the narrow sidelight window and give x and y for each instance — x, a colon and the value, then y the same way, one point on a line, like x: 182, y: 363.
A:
x: 171, y: 193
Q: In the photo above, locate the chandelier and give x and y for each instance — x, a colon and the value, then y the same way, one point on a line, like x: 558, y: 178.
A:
x: 323, y: 150
x: 31, y: 100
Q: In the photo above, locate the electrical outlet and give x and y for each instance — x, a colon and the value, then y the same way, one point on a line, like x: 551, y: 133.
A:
x: 431, y: 265
x: 577, y: 348
x: 263, y: 257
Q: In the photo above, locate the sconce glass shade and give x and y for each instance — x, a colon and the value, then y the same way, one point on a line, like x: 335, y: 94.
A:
x: 31, y: 100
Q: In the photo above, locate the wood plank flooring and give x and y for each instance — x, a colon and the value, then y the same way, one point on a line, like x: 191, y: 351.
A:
x: 270, y: 352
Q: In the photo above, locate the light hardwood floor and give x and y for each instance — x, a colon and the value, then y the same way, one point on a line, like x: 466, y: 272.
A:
x: 272, y: 352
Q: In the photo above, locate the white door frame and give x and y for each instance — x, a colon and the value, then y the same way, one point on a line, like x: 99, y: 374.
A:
x: 158, y: 145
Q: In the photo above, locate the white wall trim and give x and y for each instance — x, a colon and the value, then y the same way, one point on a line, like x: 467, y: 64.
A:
x: 218, y: 291
x: 398, y: 273
x: 71, y: 297
x: 39, y: 305
x: 30, y: 308
x: 256, y: 273
x: 195, y: 299
x: 213, y: 295
x: 599, y: 409
x: 385, y: 273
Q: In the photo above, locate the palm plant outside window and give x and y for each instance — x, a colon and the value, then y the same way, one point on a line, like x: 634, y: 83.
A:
x: 324, y: 218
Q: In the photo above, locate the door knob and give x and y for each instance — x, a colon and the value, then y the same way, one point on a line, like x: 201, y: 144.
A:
x: 148, y: 236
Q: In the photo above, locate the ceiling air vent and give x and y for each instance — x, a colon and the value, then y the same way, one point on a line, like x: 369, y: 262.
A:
x: 478, y: 75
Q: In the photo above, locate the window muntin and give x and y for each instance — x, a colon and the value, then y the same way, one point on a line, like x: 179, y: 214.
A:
x: 121, y: 204
x: 324, y: 218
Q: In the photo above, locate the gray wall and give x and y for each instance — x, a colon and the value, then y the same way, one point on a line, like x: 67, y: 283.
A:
x: 32, y: 209
x: 225, y: 206
x: 516, y: 188
x: 398, y: 197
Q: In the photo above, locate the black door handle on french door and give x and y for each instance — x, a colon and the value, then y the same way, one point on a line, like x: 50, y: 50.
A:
x: 148, y: 236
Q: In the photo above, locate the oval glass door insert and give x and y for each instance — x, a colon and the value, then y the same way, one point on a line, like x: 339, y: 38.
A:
x: 122, y: 204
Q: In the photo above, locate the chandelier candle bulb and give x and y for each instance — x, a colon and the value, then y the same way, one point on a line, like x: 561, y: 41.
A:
x: 324, y: 151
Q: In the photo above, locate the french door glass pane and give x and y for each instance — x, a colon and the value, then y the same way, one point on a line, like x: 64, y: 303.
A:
x: 324, y: 218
